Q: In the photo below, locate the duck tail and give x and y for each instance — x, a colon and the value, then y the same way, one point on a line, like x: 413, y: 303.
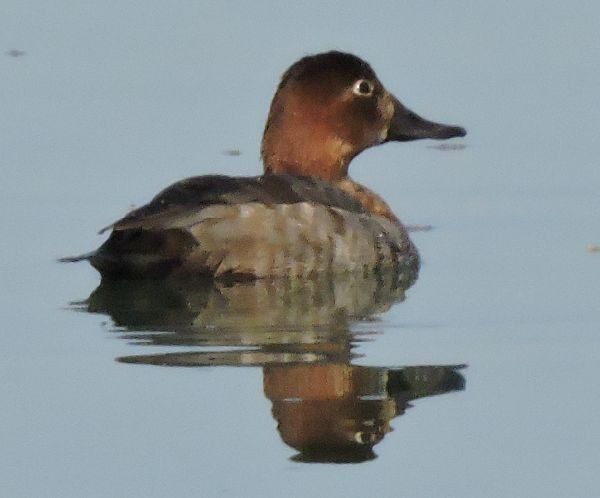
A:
x: 75, y: 259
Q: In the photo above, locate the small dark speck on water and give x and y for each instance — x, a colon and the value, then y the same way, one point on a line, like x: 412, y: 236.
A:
x: 593, y: 248
x: 448, y: 146
x: 419, y: 228
x: 232, y: 152
x: 15, y: 52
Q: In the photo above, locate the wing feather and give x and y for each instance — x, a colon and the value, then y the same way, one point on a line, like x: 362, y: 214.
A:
x: 183, y: 203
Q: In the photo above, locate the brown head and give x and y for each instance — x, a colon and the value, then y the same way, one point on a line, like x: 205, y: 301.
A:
x: 330, y: 107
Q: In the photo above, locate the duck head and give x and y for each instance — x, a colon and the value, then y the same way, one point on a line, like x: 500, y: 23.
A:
x: 330, y: 107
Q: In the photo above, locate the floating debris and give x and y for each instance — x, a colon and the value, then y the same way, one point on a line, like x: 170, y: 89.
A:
x: 15, y: 52
x: 593, y: 248
x: 448, y: 146
x: 232, y: 152
x: 418, y: 228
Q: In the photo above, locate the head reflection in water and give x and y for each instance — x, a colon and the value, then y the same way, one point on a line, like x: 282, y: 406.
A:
x: 326, y: 408
x: 338, y: 412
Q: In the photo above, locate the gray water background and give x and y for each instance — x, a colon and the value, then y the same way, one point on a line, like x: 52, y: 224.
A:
x: 112, y: 101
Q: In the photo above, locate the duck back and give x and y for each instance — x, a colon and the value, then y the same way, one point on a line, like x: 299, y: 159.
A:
x: 268, y: 226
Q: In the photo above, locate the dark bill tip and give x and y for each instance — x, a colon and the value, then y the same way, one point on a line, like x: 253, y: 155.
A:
x: 407, y: 125
x: 449, y: 131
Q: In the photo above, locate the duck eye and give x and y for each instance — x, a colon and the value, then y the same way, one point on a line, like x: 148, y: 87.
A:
x: 364, y: 88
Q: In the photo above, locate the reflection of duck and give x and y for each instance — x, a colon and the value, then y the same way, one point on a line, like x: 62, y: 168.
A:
x: 301, y: 335
x: 305, y: 215
x: 241, y: 307
x: 337, y: 412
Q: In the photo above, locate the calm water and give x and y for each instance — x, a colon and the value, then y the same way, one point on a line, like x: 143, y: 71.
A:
x: 480, y: 379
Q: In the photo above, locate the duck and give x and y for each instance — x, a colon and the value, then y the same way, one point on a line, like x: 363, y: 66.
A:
x: 304, y: 215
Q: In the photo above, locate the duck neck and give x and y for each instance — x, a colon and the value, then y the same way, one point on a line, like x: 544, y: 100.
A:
x: 301, y: 139
x: 327, y: 159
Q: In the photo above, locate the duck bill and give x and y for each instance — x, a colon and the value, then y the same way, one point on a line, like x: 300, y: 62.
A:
x: 407, y: 125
